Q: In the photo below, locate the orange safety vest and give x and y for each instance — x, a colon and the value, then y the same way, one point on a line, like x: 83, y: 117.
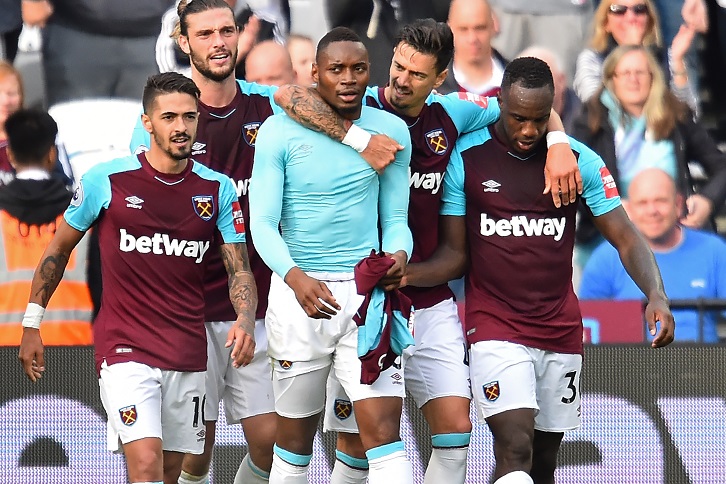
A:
x: 67, y: 319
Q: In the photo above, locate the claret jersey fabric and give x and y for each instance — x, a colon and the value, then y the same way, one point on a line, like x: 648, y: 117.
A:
x: 156, y: 232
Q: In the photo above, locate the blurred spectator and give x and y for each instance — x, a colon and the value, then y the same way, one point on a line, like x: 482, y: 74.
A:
x: 635, y: 123
x: 476, y: 67
x: 692, y: 263
x: 633, y: 22
x: 302, y: 54
x: 559, y: 25
x: 30, y: 207
x: 11, y: 23
x: 565, y: 103
x: 269, y: 63
x: 11, y: 100
x: 99, y: 48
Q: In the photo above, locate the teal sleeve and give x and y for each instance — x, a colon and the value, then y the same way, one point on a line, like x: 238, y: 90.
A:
x: 393, y: 200
x: 470, y: 115
x: 92, y: 195
x: 140, y: 138
x: 266, y: 189
x: 453, y: 200
x: 599, y: 274
x: 232, y: 230
x: 599, y: 189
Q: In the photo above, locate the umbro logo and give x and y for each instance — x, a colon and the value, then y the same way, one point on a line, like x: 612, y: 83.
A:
x: 134, y: 202
x: 491, y: 186
x: 198, y: 148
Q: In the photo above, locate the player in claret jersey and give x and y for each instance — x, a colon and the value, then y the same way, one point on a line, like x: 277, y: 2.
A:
x: 522, y: 317
x: 158, y: 215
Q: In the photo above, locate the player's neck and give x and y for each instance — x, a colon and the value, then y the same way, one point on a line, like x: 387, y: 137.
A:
x: 216, y: 94
x: 475, y: 71
x: 163, y: 163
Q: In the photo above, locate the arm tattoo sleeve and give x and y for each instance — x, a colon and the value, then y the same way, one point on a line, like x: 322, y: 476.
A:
x: 48, y: 277
x: 305, y: 106
x: 242, y: 289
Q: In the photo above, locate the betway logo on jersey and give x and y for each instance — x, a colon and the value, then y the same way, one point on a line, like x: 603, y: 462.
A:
x: 427, y: 181
x: 521, y: 226
x: 162, y: 244
x: 242, y: 186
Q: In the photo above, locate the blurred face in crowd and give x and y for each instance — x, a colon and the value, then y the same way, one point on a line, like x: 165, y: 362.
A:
x: 628, y: 21
x: 472, y: 23
x: 10, y: 96
x: 212, y: 43
x: 524, y: 116
x: 302, y: 54
x: 654, y: 206
x: 342, y: 73
x: 632, y: 80
x: 412, y: 77
x: 172, y: 124
x: 269, y: 63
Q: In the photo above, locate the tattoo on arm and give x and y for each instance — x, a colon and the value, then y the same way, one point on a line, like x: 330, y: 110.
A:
x: 49, y: 275
x: 305, y: 106
x: 242, y: 289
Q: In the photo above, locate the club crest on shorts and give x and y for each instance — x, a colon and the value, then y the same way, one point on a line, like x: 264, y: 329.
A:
x: 437, y: 141
x: 285, y: 364
x: 491, y: 390
x: 343, y: 408
x: 249, y: 132
x: 203, y: 206
x: 128, y: 415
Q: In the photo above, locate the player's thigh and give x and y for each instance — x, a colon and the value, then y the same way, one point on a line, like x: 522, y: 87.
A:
x: 182, y: 404
x: 131, y: 395
x: 436, y: 366
x: 299, y: 390
x: 502, y: 377
x: 339, y: 415
x: 558, y: 391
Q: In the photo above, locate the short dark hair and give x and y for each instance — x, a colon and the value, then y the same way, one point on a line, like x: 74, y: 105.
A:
x: 167, y: 83
x: 338, y: 34
x: 429, y: 37
x: 189, y: 7
x: 31, y: 134
x: 529, y: 72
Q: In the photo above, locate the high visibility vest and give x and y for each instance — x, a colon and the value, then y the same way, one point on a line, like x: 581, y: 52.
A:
x: 67, y: 319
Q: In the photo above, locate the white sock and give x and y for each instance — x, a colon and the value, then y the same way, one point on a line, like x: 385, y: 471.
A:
x: 389, y: 463
x: 249, y: 473
x: 447, y: 465
x: 516, y: 477
x: 186, y: 478
x: 348, y: 470
x: 283, y: 472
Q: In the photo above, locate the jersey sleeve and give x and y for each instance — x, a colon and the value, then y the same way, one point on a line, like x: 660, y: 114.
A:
x: 469, y: 112
x: 230, y: 222
x: 598, y: 276
x: 261, y: 90
x: 140, y: 138
x: 394, y: 195
x: 453, y: 199
x: 265, y: 197
x: 92, y: 195
x: 599, y: 190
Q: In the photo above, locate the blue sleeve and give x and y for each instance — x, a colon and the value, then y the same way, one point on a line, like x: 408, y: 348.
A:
x: 598, y: 276
x: 230, y: 221
x: 92, y: 195
x: 393, y: 198
x: 140, y: 138
x: 599, y: 189
x: 720, y: 269
x: 469, y: 115
x: 453, y: 200
x: 265, y: 198
x: 261, y: 90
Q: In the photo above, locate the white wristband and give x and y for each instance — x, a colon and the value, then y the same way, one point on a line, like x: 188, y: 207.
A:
x: 357, y: 138
x: 556, y: 137
x: 33, y: 315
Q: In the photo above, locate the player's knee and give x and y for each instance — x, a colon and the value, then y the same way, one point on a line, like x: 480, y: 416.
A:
x: 145, y: 465
x: 381, y: 432
x: 514, y: 450
x: 351, y: 445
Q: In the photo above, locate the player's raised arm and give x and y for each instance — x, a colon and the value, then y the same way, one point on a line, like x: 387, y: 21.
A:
x: 46, y: 278
x: 306, y: 107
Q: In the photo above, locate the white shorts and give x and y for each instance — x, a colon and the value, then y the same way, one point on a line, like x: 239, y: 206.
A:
x: 305, y: 350
x: 246, y: 391
x: 435, y: 367
x: 507, y: 376
x: 143, y: 402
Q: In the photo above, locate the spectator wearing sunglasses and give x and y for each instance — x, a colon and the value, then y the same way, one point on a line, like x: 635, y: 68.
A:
x: 633, y: 22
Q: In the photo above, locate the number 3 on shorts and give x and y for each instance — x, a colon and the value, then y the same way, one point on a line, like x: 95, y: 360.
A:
x: 570, y: 387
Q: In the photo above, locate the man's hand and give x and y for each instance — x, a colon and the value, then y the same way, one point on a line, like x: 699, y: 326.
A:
x: 695, y: 15
x: 36, y: 13
x: 658, y: 310
x: 381, y: 152
x: 393, y: 278
x: 243, y: 338
x: 314, y: 296
x: 699, y: 210
x: 31, y: 354
x: 562, y: 176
